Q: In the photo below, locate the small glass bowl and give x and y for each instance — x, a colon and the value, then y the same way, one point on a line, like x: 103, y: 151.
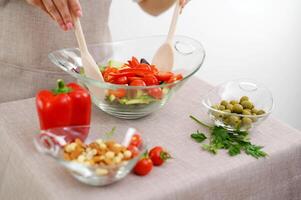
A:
x: 50, y: 142
x: 135, y: 101
x: 258, y: 94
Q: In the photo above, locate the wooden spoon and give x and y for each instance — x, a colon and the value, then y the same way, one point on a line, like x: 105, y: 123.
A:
x: 164, y: 57
x: 91, y: 68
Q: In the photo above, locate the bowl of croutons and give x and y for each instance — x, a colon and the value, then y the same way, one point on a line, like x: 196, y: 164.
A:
x: 104, y: 156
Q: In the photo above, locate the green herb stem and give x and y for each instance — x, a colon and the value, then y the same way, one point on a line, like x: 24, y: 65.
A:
x: 199, y: 122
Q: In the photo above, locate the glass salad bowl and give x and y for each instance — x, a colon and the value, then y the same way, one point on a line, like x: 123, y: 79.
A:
x: 83, y: 164
x: 239, y: 104
x: 132, y: 102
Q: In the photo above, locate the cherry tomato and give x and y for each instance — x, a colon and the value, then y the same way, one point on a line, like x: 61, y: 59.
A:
x: 150, y: 80
x: 136, y: 140
x: 164, y: 76
x: 118, y: 92
x: 137, y: 82
x: 155, y: 92
x: 120, y: 80
x: 134, y: 150
x: 158, y: 155
x: 143, y: 166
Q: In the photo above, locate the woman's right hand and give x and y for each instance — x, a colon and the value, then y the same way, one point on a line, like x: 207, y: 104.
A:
x: 60, y: 10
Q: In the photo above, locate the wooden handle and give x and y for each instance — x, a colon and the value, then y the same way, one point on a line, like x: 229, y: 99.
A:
x: 174, y: 21
x: 80, y: 36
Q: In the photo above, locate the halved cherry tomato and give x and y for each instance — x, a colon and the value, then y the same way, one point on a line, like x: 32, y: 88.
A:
x: 137, y: 72
x: 134, y: 150
x: 134, y: 62
x: 150, y: 80
x: 158, y: 155
x: 107, y: 71
x: 137, y: 82
x: 154, y: 69
x: 118, y: 92
x: 175, y: 78
x: 121, y: 80
x: 164, y: 76
x: 155, y: 92
x: 136, y: 140
x: 143, y: 167
x: 134, y: 78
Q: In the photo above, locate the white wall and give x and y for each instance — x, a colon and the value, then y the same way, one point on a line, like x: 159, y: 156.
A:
x: 258, y: 39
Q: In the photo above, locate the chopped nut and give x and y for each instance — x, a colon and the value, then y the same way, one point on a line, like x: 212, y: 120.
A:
x: 110, y: 154
x: 110, y: 143
x: 70, y: 147
x: 117, y: 160
x: 79, y: 142
x: 102, y: 146
x: 81, y: 158
x: 127, y: 154
x: 66, y: 156
x: 99, y: 141
x: 120, y: 155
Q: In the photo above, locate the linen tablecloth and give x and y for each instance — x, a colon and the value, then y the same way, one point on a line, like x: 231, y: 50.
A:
x: 192, y: 174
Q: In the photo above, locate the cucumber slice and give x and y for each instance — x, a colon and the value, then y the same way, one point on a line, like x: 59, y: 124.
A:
x: 112, y: 97
x: 114, y: 63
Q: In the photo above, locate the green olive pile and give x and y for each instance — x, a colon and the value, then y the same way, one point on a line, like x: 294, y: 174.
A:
x: 244, y: 107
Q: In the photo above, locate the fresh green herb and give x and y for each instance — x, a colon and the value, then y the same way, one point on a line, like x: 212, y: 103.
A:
x: 111, y: 132
x: 198, y: 137
x: 233, y: 141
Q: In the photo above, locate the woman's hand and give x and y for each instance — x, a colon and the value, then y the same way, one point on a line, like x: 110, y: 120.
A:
x: 60, y: 10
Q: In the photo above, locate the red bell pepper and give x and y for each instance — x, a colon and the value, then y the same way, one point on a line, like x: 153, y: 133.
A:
x: 64, y: 106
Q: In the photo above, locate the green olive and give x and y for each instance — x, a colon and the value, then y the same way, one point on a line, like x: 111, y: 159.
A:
x: 238, y: 124
x: 224, y: 103
x: 246, y: 112
x: 233, y: 102
x: 254, y: 119
x: 229, y: 106
x: 260, y: 112
x: 247, y: 104
x: 237, y: 108
x: 233, y: 120
x: 246, y: 121
x: 215, y: 106
x: 244, y: 98
x: 227, y: 111
x: 221, y: 107
x: 226, y: 120
x: 254, y: 111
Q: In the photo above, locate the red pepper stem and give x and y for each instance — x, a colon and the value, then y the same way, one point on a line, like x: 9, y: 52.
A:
x: 61, y: 88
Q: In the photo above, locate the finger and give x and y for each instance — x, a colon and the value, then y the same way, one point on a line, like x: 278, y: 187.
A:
x: 52, y: 10
x: 63, y: 9
x: 75, y: 7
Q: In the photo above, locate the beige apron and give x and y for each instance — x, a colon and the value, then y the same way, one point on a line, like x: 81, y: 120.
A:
x: 27, y: 35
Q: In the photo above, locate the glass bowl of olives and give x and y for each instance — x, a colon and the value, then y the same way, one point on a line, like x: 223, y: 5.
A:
x: 239, y: 104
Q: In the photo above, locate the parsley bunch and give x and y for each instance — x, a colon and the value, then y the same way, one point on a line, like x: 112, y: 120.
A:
x: 233, y: 141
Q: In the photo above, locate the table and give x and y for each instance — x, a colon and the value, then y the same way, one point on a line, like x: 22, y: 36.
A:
x: 192, y: 174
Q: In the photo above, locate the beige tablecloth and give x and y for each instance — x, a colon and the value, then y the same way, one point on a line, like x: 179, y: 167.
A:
x: 193, y: 174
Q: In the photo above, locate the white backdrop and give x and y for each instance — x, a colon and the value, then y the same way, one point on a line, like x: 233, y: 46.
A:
x: 258, y: 39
